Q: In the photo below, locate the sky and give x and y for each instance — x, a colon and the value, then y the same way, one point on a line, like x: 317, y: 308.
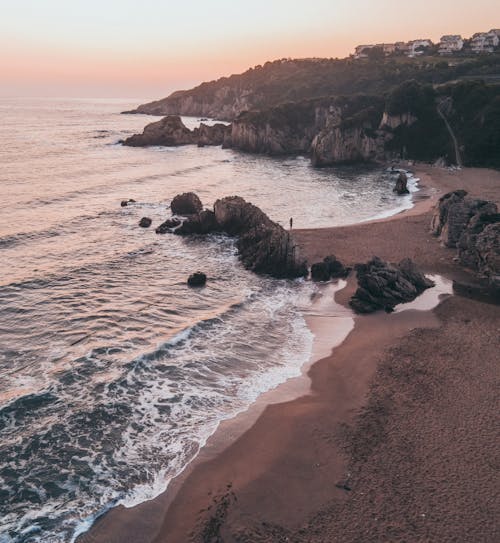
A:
x: 148, y: 48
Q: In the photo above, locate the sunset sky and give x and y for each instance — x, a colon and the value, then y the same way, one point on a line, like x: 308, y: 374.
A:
x: 147, y: 48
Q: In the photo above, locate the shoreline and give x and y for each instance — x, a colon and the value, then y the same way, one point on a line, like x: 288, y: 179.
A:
x: 231, y: 456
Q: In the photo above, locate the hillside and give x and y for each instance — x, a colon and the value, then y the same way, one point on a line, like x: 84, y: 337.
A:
x: 294, y: 80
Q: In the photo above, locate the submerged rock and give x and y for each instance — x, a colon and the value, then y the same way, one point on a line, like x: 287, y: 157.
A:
x: 197, y: 279
x: 187, y: 203
x: 125, y: 203
x: 145, y: 222
x: 383, y: 286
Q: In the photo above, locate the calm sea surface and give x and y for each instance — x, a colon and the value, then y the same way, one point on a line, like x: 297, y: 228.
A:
x: 112, y: 372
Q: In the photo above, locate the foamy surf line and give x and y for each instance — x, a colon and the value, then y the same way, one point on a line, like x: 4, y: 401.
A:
x: 293, y: 356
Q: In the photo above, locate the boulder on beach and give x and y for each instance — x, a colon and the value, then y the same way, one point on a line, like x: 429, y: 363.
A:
x: 329, y: 268
x: 145, y: 222
x: 453, y: 213
x: 472, y: 226
x: 383, y: 286
x: 401, y: 184
x: 187, y: 203
x: 197, y: 279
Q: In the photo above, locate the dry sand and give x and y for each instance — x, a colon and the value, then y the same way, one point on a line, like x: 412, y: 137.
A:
x: 397, y: 439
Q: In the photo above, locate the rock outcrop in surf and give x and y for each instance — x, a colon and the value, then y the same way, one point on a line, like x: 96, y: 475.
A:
x: 172, y: 132
x: 264, y: 246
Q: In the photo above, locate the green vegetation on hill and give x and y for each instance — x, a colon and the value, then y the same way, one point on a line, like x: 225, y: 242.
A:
x: 293, y: 80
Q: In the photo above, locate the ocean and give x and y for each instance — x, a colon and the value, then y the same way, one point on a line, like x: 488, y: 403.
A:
x: 113, y: 373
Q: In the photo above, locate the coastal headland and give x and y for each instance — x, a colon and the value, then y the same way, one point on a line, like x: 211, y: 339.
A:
x: 391, y: 436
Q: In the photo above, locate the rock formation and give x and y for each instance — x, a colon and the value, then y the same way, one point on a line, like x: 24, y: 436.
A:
x: 329, y: 268
x: 454, y: 212
x: 168, y: 226
x: 171, y: 131
x: 473, y: 227
x: 263, y: 245
x: 383, y: 286
x: 187, y: 203
x: 401, y: 184
x: 197, y: 279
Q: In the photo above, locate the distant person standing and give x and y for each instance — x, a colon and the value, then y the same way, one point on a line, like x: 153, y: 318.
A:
x: 291, y: 223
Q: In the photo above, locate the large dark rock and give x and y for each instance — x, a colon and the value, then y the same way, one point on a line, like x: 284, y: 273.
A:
x: 145, y: 222
x: 202, y: 223
x: 330, y: 268
x: 186, y: 204
x: 473, y: 226
x: 383, y: 286
x: 197, y: 279
x: 168, y: 226
x: 264, y: 246
x: 479, y: 245
x: 171, y: 131
x: 401, y: 184
x: 453, y: 213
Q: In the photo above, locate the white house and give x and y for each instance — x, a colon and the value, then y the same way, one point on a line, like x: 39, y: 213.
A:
x: 450, y: 44
x: 485, y: 42
x: 415, y: 46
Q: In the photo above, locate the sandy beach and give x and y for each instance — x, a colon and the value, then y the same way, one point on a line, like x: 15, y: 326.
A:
x: 391, y: 437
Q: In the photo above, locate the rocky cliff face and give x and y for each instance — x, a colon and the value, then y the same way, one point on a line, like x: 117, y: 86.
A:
x: 473, y: 227
x: 171, y: 131
x: 332, y: 130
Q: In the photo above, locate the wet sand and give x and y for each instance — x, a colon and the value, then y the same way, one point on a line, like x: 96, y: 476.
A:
x: 395, y: 439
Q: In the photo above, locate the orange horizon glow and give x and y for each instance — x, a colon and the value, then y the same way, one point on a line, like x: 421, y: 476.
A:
x: 105, y: 57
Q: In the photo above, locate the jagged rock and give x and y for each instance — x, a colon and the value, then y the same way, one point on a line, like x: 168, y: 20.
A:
x: 187, y: 203
x: 197, y: 279
x: 263, y: 245
x: 145, y: 222
x: 168, y: 226
x: 383, y: 286
x: 328, y: 269
x: 453, y: 213
x: 171, y: 131
x: 125, y: 203
x: 401, y: 184
x: 479, y: 245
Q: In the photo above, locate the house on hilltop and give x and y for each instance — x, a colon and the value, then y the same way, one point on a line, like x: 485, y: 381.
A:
x: 416, y: 47
x: 485, y: 42
x: 450, y: 44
